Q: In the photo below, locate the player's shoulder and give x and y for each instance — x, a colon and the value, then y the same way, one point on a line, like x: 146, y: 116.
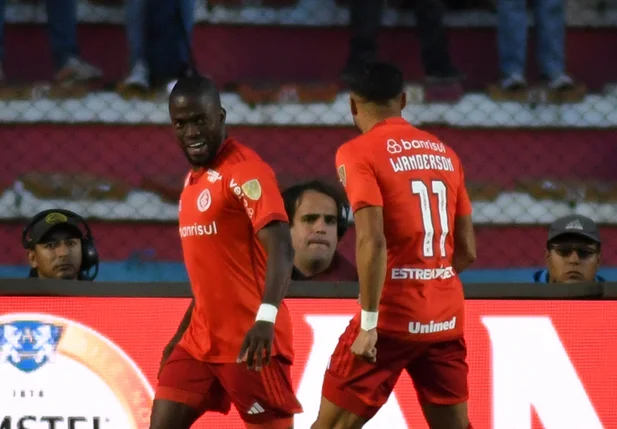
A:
x: 236, y: 156
x: 354, y: 148
x: 421, y: 139
x: 234, y: 152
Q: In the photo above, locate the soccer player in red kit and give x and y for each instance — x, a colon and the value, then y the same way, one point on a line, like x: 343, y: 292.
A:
x: 413, y: 236
x: 237, y: 248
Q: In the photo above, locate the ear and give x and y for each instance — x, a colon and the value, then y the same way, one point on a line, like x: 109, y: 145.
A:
x: 32, y: 259
x: 353, y: 106
x: 547, y: 254
x: 403, y: 99
x: 223, y: 115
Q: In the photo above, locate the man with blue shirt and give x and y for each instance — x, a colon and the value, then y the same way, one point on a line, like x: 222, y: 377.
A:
x: 573, y: 251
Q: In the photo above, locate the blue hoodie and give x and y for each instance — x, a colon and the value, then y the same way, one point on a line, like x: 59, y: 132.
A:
x: 541, y: 276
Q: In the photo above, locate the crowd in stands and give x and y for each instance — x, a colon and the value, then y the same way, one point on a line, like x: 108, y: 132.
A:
x: 156, y: 56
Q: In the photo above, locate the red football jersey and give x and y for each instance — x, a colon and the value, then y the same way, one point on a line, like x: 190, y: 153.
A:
x: 221, y: 210
x: 419, y: 182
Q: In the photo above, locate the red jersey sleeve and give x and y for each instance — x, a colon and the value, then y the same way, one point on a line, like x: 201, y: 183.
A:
x: 463, y: 203
x: 358, y: 178
x: 254, y: 185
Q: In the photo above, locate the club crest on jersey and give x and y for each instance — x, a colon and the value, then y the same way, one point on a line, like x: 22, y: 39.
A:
x: 252, y: 189
x: 204, y: 200
x: 342, y: 175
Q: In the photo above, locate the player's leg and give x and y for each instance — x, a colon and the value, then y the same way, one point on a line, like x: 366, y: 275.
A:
x: 440, y: 377
x: 354, y: 389
x: 264, y: 399
x: 172, y: 415
x: 331, y: 416
x: 187, y: 388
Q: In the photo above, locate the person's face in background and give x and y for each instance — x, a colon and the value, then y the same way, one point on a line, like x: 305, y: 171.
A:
x: 57, y: 255
x: 314, y: 232
x: 572, y: 259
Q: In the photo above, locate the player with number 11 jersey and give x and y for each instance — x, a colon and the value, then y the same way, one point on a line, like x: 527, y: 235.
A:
x: 413, y: 236
x: 419, y: 182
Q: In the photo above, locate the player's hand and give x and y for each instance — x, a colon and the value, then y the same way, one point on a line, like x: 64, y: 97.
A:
x: 365, y: 345
x: 257, y: 345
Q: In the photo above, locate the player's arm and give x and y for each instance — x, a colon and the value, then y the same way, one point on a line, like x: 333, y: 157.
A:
x: 358, y: 177
x: 371, y: 256
x: 464, y: 236
x: 276, y: 239
x: 256, y: 188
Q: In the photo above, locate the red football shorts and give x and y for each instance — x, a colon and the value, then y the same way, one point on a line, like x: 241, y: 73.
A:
x: 263, y: 399
x: 438, y: 371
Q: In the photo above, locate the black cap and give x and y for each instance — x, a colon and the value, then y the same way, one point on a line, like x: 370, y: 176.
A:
x: 574, y: 225
x: 51, y: 221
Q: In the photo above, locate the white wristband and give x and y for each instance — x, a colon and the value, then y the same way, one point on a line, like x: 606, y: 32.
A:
x: 368, y: 320
x: 267, y: 313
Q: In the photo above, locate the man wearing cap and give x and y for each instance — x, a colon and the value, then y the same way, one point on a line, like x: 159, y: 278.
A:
x: 54, y: 248
x: 572, y: 251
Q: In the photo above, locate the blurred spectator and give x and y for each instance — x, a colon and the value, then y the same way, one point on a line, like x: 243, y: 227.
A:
x: 318, y: 217
x: 62, y: 27
x: 549, y: 18
x: 59, y: 245
x: 159, y: 36
x: 572, y: 251
x: 365, y: 22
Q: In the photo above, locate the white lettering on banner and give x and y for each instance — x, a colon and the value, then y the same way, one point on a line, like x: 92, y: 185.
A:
x: 328, y: 329
x: 422, y: 273
x: 197, y: 230
x: 532, y: 368
x: 432, y: 326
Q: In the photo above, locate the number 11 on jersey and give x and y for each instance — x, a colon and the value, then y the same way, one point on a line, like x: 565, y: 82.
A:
x: 418, y: 187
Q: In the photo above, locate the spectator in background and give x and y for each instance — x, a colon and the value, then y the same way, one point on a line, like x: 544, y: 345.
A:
x: 317, y: 214
x: 59, y: 245
x: 572, y: 251
x: 158, y: 35
x: 365, y: 22
x: 62, y: 27
x: 512, y: 41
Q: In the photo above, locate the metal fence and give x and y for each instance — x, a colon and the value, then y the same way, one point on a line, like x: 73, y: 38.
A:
x: 113, y: 159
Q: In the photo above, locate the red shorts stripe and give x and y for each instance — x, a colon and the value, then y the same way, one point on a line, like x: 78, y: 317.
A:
x: 270, y: 385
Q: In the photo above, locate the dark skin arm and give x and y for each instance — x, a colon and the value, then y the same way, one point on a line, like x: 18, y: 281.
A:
x: 184, y: 324
x: 276, y: 240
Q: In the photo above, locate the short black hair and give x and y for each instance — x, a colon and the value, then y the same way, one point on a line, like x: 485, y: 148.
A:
x: 196, y: 85
x: 377, y: 82
x: 293, y: 194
